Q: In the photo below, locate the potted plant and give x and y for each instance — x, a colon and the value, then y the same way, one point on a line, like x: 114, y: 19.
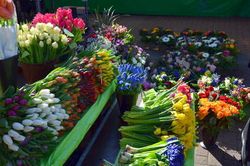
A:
x: 129, y: 85
x: 40, y: 46
x: 219, y: 103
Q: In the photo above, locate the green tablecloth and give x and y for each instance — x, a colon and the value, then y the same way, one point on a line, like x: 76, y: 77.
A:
x: 166, y: 7
x: 74, y: 138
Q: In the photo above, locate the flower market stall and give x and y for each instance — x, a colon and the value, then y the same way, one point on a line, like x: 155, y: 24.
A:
x: 75, y: 76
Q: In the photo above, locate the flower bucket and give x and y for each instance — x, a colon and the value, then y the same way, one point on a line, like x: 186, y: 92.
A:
x: 35, y: 72
x: 126, y: 102
x: 209, y: 136
x: 8, y: 73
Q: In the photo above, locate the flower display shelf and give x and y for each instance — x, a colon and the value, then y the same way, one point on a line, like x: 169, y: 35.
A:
x: 75, y: 137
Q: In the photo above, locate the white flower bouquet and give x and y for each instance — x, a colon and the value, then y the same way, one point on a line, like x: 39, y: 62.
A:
x: 41, y: 43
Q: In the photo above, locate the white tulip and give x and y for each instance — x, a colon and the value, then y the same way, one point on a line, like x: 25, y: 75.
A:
x: 27, y: 43
x: 66, y: 116
x: 22, y: 44
x: 43, y: 115
x: 48, y: 41
x: 55, y: 45
x: 47, y: 111
x: 27, y: 122
x: 17, y: 126
x: 13, y: 147
x: 58, y: 128
x: 33, y: 116
x: 134, y: 60
x: 20, y: 138
x: 43, y: 105
x: 57, y: 30
x: 52, y: 117
x: 64, y: 39
x: 60, y: 116
x: 62, y: 111
x: 52, y: 108
x: 58, y: 105
x: 44, y: 92
x: 38, y: 122
x: 28, y: 129
x: 49, y: 101
x: 41, y: 44
x: 37, y: 101
x: 51, y: 95
x: 55, y: 122
x: 33, y: 110
x: 25, y: 27
x: 33, y: 30
x: 7, y: 140
x: 56, y: 100
x: 13, y: 133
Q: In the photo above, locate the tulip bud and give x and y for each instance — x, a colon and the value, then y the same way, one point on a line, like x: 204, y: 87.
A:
x: 41, y: 44
x: 13, y: 147
x: 33, y: 116
x: 27, y: 122
x: 38, y: 122
x: 44, y: 92
x: 37, y: 101
x: 20, y: 138
x: 48, y: 41
x: 56, y: 100
x: 7, y: 140
x: 28, y: 129
x: 43, y: 105
x: 13, y: 133
x: 55, y: 122
x: 55, y: 45
x: 17, y: 126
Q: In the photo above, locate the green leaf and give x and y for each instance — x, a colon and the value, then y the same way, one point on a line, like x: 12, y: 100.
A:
x: 10, y: 91
x: 4, y: 123
x: 25, y: 54
x: 68, y: 33
x: 72, y: 45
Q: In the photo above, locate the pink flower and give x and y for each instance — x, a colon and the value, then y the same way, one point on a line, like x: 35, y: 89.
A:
x: 226, y: 53
x: 79, y: 23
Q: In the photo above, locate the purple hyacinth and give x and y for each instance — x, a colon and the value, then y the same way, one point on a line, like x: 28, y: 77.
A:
x: 23, y: 102
x: 39, y: 129
x: 226, y: 53
x: 15, y: 108
x: 8, y: 101
x: 11, y: 113
x: 17, y: 98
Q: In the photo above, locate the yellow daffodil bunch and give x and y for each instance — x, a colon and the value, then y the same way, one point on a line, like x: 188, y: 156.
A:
x: 105, y: 66
x: 41, y: 43
x: 184, y: 124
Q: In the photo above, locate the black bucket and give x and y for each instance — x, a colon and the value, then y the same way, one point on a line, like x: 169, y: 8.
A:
x: 8, y: 73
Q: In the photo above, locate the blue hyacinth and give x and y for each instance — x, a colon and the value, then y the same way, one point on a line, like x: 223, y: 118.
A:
x: 130, y: 78
x: 174, y: 152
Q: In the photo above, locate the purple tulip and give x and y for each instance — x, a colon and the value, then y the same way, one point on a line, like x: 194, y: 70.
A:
x: 226, y: 53
x: 8, y: 101
x: 11, y: 113
x: 25, y: 142
x: 23, y: 102
x: 15, y: 108
x: 19, y: 163
x: 146, y: 85
x: 17, y: 98
x: 39, y: 129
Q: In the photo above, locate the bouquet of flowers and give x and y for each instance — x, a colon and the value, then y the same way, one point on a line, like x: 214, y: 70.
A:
x: 130, y: 79
x: 64, y: 20
x: 41, y: 43
x: 218, y: 104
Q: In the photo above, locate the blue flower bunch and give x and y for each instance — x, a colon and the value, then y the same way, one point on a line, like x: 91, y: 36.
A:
x: 130, y: 78
x: 174, y: 152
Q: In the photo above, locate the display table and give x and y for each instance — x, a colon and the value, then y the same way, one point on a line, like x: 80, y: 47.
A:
x: 72, y: 140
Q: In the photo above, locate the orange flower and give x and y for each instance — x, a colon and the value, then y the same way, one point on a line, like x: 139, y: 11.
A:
x: 219, y: 108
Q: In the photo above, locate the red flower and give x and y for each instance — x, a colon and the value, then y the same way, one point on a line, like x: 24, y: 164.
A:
x: 79, y: 23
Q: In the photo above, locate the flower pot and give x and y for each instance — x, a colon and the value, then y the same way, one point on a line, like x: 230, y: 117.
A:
x: 35, y: 72
x: 209, y: 137
x: 8, y: 73
x: 126, y: 102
